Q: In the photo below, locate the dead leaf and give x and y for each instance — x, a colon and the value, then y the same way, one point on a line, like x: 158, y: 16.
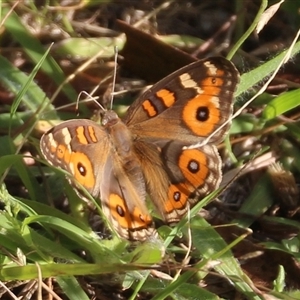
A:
x: 266, y: 16
x: 157, y: 58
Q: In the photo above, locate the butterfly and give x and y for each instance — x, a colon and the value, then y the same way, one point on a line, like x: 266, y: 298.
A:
x: 153, y: 149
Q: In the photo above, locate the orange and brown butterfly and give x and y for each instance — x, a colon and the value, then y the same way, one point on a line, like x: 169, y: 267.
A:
x: 151, y: 150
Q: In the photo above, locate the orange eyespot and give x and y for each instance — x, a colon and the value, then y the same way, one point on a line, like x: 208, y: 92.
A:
x: 125, y: 218
x: 83, y: 170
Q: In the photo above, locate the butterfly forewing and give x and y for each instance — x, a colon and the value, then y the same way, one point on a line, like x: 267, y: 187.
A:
x: 70, y: 146
x: 187, y: 105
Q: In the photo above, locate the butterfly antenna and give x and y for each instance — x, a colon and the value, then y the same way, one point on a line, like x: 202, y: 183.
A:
x: 89, y: 99
x: 114, y: 77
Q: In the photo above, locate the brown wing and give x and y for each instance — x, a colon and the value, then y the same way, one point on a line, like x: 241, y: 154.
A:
x: 178, y: 178
x: 83, y: 148
x: 188, y: 104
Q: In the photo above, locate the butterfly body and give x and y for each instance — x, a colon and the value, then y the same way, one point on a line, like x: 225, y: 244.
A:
x: 151, y: 150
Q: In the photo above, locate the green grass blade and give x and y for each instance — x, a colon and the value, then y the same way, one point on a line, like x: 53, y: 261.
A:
x: 71, y: 288
x: 282, y: 104
x: 35, y: 51
x: 251, y: 78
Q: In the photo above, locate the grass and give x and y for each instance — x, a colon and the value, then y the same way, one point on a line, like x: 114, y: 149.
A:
x: 45, y: 241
